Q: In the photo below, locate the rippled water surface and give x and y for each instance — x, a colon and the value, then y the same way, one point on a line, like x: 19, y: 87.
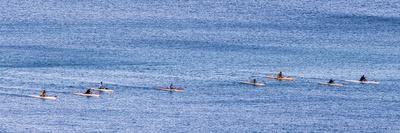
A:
x: 207, y: 47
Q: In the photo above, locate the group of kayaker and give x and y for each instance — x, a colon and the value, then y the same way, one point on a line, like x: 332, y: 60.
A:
x: 88, y: 91
x: 362, y: 79
x: 280, y: 77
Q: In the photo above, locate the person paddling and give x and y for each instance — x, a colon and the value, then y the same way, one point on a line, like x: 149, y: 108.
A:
x: 363, y: 78
x: 254, y: 81
x: 102, y: 86
x: 280, y: 75
x: 88, y: 91
x: 43, y: 93
x: 331, y: 81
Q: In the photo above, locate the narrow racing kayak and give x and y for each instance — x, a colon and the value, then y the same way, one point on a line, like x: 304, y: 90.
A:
x: 172, y: 89
x: 252, y: 83
x: 280, y: 79
x: 45, y: 97
x: 332, y: 84
x: 87, y: 95
x: 363, y: 82
x: 103, y: 90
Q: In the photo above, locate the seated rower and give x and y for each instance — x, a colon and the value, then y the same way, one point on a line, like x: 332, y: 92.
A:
x: 331, y: 81
x: 363, y: 78
x: 280, y: 75
x: 88, y: 91
x: 102, y: 86
x: 43, y: 93
x: 254, y: 81
x: 171, y: 86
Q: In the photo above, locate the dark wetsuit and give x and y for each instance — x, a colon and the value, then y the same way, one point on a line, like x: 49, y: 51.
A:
x: 363, y: 78
x: 88, y: 91
x: 331, y: 81
x: 43, y: 93
x: 280, y: 75
x: 102, y: 86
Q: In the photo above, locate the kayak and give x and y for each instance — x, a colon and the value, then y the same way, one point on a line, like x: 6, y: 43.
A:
x: 252, y: 83
x: 104, y: 90
x: 332, y: 84
x: 280, y: 79
x: 45, y: 97
x: 172, y: 89
x: 363, y: 82
x: 87, y: 95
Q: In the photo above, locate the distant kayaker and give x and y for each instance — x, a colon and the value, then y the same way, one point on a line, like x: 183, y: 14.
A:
x: 331, y: 81
x: 43, y: 93
x: 280, y: 75
x: 102, y: 86
x: 254, y: 81
x: 171, y: 86
x: 363, y: 78
x: 88, y: 91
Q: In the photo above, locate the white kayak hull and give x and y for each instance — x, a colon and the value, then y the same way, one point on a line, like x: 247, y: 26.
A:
x: 104, y: 90
x: 87, y: 95
x: 251, y: 83
x: 45, y: 98
x: 363, y: 82
x: 332, y: 84
x: 171, y: 90
x: 280, y: 79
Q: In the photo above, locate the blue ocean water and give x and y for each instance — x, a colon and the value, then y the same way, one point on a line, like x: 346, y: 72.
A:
x: 207, y: 47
